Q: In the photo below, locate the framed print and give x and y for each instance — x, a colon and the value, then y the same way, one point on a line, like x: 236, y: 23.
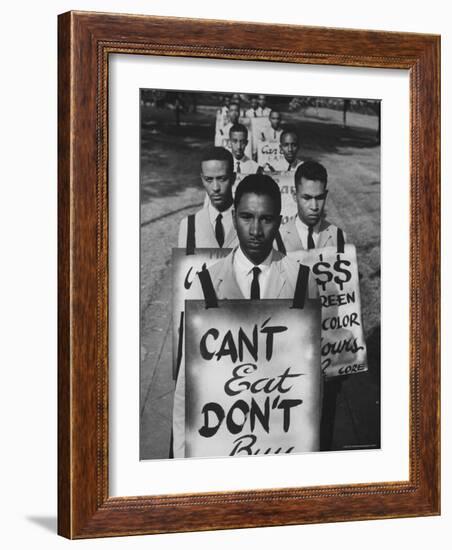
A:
x: 248, y: 275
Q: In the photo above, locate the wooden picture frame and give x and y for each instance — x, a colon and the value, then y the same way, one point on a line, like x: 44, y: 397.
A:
x: 85, y: 508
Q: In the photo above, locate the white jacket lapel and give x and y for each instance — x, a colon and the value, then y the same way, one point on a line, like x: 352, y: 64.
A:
x: 226, y: 285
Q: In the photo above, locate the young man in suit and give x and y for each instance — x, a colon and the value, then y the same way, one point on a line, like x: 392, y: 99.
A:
x: 273, y: 133
x: 289, y: 143
x: 253, y: 111
x: 238, y: 137
x: 233, y: 118
x: 253, y: 270
x: 309, y: 229
x: 223, y: 112
x: 212, y: 226
x: 262, y: 102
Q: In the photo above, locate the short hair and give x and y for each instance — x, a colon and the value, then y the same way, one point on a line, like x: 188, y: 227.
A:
x: 311, y: 170
x: 259, y: 184
x: 238, y: 128
x: 288, y: 130
x: 219, y: 153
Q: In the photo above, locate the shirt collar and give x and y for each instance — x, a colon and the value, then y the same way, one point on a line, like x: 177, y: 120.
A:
x: 245, y: 266
x: 213, y: 212
x: 242, y: 160
x: 301, y: 226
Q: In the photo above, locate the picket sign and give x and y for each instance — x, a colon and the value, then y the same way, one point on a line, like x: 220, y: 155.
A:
x: 286, y: 184
x: 185, y: 267
x: 269, y: 152
x: 253, y: 378
x: 258, y: 125
x: 335, y: 270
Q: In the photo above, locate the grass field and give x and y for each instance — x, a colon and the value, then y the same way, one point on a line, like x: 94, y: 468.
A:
x: 171, y: 189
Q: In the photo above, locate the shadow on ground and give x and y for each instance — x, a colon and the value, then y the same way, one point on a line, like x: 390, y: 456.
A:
x: 49, y: 523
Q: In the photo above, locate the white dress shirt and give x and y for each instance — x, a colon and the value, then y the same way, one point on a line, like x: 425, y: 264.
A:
x: 243, y: 272
x: 303, y: 229
x: 271, y: 135
x: 251, y: 113
x: 247, y: 165
x: 226, y: 219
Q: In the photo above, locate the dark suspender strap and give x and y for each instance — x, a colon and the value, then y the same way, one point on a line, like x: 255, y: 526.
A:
x: 171, y: 451
x: 301, y: 287
x: 340, y: 241
x: 210, y: 296
x: 190, y: 248
x: 280, y: 244
x: 179, y: 345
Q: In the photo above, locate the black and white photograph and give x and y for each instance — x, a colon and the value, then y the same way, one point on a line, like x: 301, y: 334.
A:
x: 260, y: 274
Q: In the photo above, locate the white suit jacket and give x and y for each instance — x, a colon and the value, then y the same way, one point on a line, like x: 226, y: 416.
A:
x: 291, y: 238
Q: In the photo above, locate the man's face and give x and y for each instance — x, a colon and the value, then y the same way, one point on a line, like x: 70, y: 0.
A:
x: 238, y: 144
x: 234, y: 113
x: 289, y: 147
x: 254, y: 103
x: 275, y: 120
x: 311, y: 198
x: 261, y: 101
x: 217, y: 181
x: 256, y: 221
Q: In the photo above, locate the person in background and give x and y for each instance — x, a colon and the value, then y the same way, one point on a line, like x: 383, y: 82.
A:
x: 289, y: 144
x: 309, y: 228
x: 233, y: 117
x: 223, y: 112
x: 273, y: 133
x: 212, y: 226
x: 252, y: 112
x: 263, y: 110
x: 238, y: 138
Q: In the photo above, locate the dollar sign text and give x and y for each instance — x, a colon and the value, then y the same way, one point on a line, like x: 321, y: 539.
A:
x: 322, y: 272
x: 344, y: 272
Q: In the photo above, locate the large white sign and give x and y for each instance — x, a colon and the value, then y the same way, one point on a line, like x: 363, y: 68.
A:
x: 343, y: 347
x: 253, y: 379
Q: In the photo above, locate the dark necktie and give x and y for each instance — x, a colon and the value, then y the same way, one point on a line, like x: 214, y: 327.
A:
x: 219, y: 230
x: 288, y: 169
x: 255, y: 288
x: 310, y: 239
x: 238, y: 168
